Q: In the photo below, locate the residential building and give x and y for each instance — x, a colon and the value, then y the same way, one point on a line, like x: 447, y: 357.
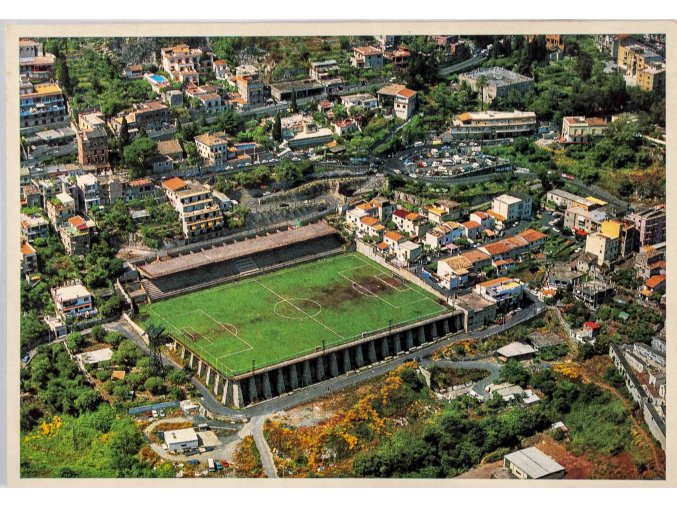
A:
x: 360, y: 100
x: 312, y: 135
x: 73, y: 300
x: 184, y: 63
x: 553, y: 41
x: 208, y: 96
x: 627, y: 233
x: 199, y: 214
x: 92, y: 141
x: 654, y: 285
x: 33, y: 227
x: 344, y: 127
x: 384, y: 208
x: 471, y: 229
x: 76, y: 235
x: 485, y: 220
x: 499, y: 82
x: 324, y: 72
x: 172, y: 149
x: 478, y: 311
x: 650, y: 260
x: 132, y: 72
x: 579, y: 219
x: 372, y: 227
x: 397, y: 56
x: 606, y: 248
x: 111, y: 188
x: 60, y: 208
x: 29, y: 259
x: 511, y: 207
x: 563, y: 277
x: 34, y: 62
x: 364, y: 209
x: 408, y: 252
x: 367, y: 57
x: 579, y: 129
x: 88, y: 192
x: 531, y: 463
x: 454, y: 272
x: 251, y: 90
x: 412, y: 224
x: 593, y: 293
x: 41, y: 107
x: 213, y: 148
x: 397, y: 99
x: 442, y: 211
x: 651, y: 225
x: 148, y: 116
x: 443, y: 234
x: 652, y: 78
x: 385, y: 42
x: 477, y: 258
x: 392, y: 239
x: 564, y: 199
x: 139, y: 189
x: 504, y: 291
x: 221, y: 70
x: 493, y: 125
x: 172, y: 98
x: 635, y: 57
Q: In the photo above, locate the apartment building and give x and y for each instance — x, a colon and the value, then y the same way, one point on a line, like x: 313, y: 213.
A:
x: 651, y: 260
x: 88, y: 191
x: 34, y: 62
x: 443, y: 234
x: 111, y: 188
x: 325, y: 72
x: 29, y: 259
x: 499, y: 82
x: 397, y: 99
x: 651, y: 225
x: 213, y: 148
x: 579, y: 129
x: 312, y: 135
x: 372, y: 227
x: 76, y: 235
x: 186, y: 64
x: 199, y: 214
x: 652, y: 78
x: 41, y: 106
x: 626, y: 232
x: 413, y: 224
x: 493, y: 125
x: 132, y: 72
x: 60, y: 208
x: 33, y: 227
x: 606, y: 248
x: 92, y: 140
x: 577, y: 218
x: 635, y: 57
x: 149, y: 116
x: 454, y: 272
x: 367, y: 57
x: 221, y: 70
x: 363, y: 100
x: 511, y: 207
x: 442, y: 211
x: 73, y: 300
x: 565, y: 199
x: 139, y: 189
x: 506, y: 292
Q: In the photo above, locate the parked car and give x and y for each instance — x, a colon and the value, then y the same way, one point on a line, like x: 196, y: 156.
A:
x: 224, y: 463
x: 192, y: 452
x: 160, y: 435
x: 210, y: 465
x: 218, y: 464
x: 193, y: 462
x: 161, y: 412
x: 154, y: 413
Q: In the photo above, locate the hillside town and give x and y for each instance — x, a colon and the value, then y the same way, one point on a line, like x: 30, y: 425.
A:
x: 516, y: 182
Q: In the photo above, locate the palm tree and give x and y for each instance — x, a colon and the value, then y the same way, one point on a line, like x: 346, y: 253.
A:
x: 481, y: 83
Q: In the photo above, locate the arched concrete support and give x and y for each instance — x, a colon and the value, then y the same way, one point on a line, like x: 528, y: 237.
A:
x: 293, y: 377
x: 333, y: 365
x: 408, y: 339
x: 181, y: 350
x: 385, y: 349
x: 371, y: 352
x: 307, y: 375
x: 346, y: 361
x: 359, y: 357
x: 319, y: 368
x: 445, y: 326
x: 238, y: 398
x: 421, y: 335
x: 253, y: 393
x: 208, y: 376
x: 265, y: 381
x: 217, y: 384
x: 433, y: 330
x: 397, y: 343
x: 280, y: 382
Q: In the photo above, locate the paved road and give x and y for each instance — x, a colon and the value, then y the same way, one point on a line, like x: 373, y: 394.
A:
x: 256, y: 425
x: 466, y: 64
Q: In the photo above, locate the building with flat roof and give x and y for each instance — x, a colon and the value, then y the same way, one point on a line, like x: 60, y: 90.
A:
x: 579, y: 129
x: 312, y: 135
x: 73, y: 300
x: 200, y: 216
x: 284, y: 91
x: 181, y: 440
x: 184, y: 63
x: 566, y: 199
x: 76, y: 235
x: 511, y: 207
x: 34, y: 62
x: 606, y: 248
x: 493, y: 125
x: 41, y: 106
x: 149, y: 116
x: 504, y: 291
x: 326, y: 71
x: 499, y: 82
x: 517, y: 351
x: 92, y: 141
x: 651, y: 225
x: 577, y: 218
x: 652, y: 78
x: 532, y: 463
x: 33, y: 227
x: 397, y: 99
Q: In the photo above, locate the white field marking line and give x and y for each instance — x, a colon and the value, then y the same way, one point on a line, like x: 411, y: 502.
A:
x: 181, y: 333
x: 381, y: 278
x: 202, y: 336
x: 226, y: 328
x: 297, y: 308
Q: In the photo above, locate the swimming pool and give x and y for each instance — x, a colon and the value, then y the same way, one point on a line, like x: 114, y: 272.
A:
x: 157, y: 79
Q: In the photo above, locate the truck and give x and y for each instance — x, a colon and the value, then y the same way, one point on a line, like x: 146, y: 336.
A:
x: 210, y: 465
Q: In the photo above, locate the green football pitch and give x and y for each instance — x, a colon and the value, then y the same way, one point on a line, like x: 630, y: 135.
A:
x: 271, y: 318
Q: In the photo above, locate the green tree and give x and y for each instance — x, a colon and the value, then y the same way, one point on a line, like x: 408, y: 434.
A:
x: 481, y: 84
x: 154, y: 385
x: 294, y: 107
x: 138, y: 154
x: 63, y: 76
x: 515, y: 373
x: 584, y: 65
x: 277, y: 128
x: 124, y: 133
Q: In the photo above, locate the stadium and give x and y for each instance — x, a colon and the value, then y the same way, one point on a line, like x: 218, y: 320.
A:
x: 268, y: 315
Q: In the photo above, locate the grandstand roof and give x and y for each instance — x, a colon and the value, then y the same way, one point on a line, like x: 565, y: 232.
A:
x: 235, y: 250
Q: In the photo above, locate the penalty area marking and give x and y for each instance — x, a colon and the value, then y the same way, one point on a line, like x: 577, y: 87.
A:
x: 308, y: 315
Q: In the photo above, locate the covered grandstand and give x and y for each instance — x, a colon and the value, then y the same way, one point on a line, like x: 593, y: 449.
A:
x: 166, y: 277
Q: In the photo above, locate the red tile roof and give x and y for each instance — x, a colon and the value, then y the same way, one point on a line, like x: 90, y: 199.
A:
x: 401, y: 213
x: 174, y: 184
x: 655, y: 281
